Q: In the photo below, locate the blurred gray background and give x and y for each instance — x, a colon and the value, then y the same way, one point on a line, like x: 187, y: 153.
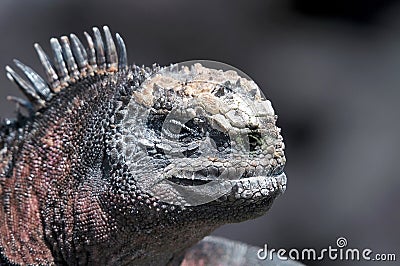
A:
x: 331, y: 69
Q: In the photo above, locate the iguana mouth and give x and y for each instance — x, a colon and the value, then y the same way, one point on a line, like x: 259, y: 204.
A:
x: 263, y: 180
x: 188, y: 182
x: 260, y: 186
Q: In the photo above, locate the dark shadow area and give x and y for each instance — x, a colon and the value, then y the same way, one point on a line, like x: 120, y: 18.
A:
x: 355, y: 11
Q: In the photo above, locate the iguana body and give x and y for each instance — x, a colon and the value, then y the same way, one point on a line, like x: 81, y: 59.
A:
x: 117, y: 165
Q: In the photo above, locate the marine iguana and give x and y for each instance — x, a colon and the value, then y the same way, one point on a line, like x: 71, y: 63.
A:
x: 116, y: 164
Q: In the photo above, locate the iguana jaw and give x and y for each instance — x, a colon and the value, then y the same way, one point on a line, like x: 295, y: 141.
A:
x: 247, y: 186
x: 258, y: 187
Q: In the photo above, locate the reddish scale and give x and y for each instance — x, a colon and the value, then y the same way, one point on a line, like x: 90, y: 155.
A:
x: 43, y: 185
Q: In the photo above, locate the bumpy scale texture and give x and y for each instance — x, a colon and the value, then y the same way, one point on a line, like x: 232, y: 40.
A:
x: 110, y: 164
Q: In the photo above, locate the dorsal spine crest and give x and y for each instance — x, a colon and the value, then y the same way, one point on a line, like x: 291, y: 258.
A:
x: 72, y: 62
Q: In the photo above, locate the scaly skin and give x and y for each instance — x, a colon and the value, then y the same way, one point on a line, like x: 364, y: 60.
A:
x: 135, y: 165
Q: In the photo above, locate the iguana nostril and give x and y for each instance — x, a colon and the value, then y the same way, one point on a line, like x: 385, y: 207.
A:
x: 255, y: 140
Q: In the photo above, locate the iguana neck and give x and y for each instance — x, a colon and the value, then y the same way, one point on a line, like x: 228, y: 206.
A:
x: 42, y: 180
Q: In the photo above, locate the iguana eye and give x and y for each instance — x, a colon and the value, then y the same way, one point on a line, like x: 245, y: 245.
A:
x: 194, y: 129
x: 174, y: 129
x: 155, y: 121
x: 183, y: 132
x: 221, y: 139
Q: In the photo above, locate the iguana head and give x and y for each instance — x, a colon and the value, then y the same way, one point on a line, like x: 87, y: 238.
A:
x: 201, y: 134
